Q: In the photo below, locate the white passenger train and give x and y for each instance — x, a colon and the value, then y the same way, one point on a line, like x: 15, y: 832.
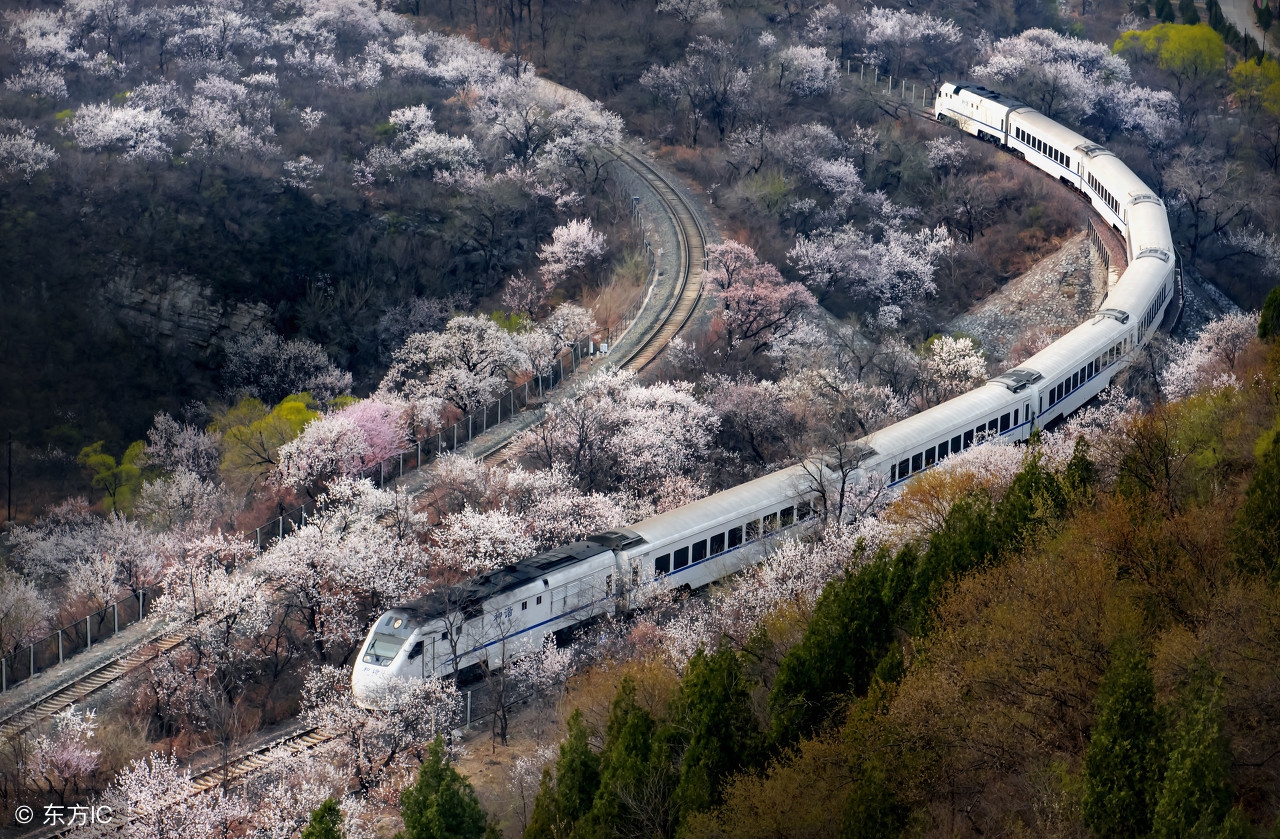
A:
x: 509, y: 612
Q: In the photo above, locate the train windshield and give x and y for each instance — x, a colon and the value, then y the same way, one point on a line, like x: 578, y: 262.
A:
x: 384, y: 646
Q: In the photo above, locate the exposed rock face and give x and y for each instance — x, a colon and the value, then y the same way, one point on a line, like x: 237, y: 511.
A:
x: 178, y: 315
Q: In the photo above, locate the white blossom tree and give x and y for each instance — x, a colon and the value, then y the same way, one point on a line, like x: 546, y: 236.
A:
x: 619, y: 434
x: 371, y: 744
x: 21, y: 152
x: 806, y: 71
x: 157, y: 797
x: 473, y: 542
x: 136, y: 133
x: 891, y: 274
x: 951, y: 366
x: 574, y: 248
x: 24, y: 613
x: 1208, y: 361
x: 466, y: 364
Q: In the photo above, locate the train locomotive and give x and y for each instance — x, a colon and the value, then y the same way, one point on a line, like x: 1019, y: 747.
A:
x: 507, y: 613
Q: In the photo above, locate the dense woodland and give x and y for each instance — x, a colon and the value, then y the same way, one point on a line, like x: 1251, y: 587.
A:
x: 255, y: 248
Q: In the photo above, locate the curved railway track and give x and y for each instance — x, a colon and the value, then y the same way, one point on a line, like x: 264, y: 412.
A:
x: 691, y: 242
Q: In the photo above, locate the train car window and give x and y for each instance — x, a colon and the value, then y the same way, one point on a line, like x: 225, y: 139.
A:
x: 735, y: 537
x: 788, y: 516
x: 1089, y: 368
x: 717, y: 544
x: 538, y: 602
x: 994, y: 425
x: 968, y: 439
x: 1004, y: 422
x: 1053, y: 397
x: 955, y: 444
x: 444, y: 636
x: 1082, y: 376
x: 904, y: 469
x: 893, y: 473
x: 753, y: 530
x: 1015, y: 417
x: 803, y: 510
x: 662, y: 564
x: 416, y: 651
x: 699, y: 550
x: 917, y: 462
x: 524, y: 604
x: 930, y: 456
x: 942, y: 450
x: 1066, y: 161
x: 682, y: 559
x: 770, y: 522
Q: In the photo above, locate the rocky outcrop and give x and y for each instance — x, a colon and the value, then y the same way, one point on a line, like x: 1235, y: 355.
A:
x: 178, y: 314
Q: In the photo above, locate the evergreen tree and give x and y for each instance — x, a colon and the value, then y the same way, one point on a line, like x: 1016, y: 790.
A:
x: 1187, y: 10
x: 1269, y: 323
x: 848, y: 635
x: 636, y: 779
x: 1256, y: 539
x: 1195, y: 798
x: 1164, y: 11
x: 441, y: 804
x: 565, y: 799
x: 966, y: 540
x: 326, y: 822
x: 1121, y: 766
x: 711, y: 719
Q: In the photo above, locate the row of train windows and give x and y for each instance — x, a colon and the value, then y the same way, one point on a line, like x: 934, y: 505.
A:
x: 1042, y: 147
x: 1102, y: 193
x: 1154, y: 308
x: 730, y: 539
x: 1068, y: 386
x: 920, y: 461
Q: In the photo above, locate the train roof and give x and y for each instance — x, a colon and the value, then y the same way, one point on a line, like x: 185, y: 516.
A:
x: 437, y: 604
x: 986, y: 93
x: 727, y: 505
x: 965, y: 409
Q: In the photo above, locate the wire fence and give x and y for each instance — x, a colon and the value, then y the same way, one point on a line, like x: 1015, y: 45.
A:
x: 914, y: 92
x: 78, y: 636
x: 33, y: 658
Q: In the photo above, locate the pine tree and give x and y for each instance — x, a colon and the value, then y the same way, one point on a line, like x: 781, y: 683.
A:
x: 711, y: 718
x: 326, y: 822
x: 565, y: 799
x: 1269, y: 323
x: 848, y: 635
x: 1122, y: 764
x: 1164, y: 11
x: 441, y: 804
x: 1195, y: 798
x: 1187, y: 10
x: 636, y: 778
x: 1256, y: 539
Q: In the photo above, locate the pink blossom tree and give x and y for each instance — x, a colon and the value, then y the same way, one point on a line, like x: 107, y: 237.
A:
x: 61, y: 757
x: 385, y: 428
x: 759, y: 305
x: 157, y: 797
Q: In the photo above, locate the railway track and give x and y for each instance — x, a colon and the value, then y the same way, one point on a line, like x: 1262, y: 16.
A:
x: 691, y: 242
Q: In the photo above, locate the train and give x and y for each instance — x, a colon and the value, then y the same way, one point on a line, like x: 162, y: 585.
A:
x: 499, y: 616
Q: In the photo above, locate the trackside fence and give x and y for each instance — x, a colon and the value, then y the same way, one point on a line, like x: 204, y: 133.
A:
x: 78, y: 636
x: 32, y: 658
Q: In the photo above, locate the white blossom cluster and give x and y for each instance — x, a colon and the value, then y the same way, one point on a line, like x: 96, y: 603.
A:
x: 1075, y: 78
x: 1207, y: 361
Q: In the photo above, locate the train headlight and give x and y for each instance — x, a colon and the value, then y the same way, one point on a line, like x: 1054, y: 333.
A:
x: 399, y: 623
x: 368, y: 658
